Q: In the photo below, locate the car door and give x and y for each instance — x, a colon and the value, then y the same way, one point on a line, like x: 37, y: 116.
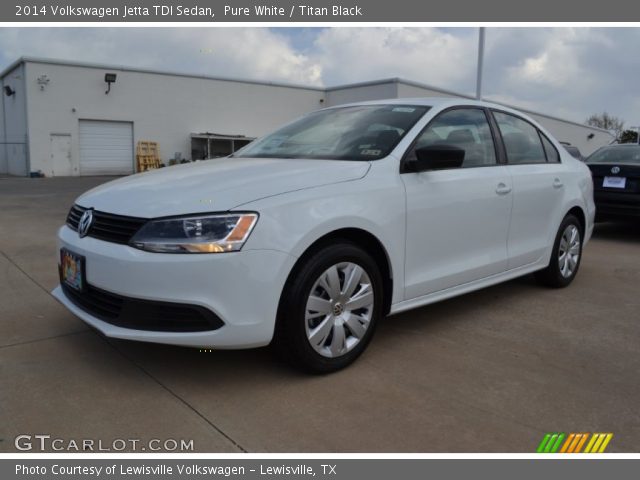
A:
x: 538, y: 189
x: 457, y: 219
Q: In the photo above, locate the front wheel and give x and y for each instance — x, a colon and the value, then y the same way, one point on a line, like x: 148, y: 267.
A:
x: 330, y: 308
x: 566, y: 255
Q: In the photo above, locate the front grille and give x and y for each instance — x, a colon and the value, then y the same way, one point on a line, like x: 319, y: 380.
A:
x: 140, y: 314
x: 107, y: 226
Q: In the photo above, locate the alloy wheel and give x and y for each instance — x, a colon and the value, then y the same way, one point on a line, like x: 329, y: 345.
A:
x: 339, y: 309
x: 569, y: 251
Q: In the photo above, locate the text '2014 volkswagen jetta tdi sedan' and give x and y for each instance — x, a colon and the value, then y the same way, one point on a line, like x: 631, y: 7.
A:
x: 308, y: 236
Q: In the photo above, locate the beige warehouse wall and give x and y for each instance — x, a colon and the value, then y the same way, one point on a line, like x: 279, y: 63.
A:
x: 577, y: 135
x: 163, y: 108
x: 3, y: 149
x: 167, y: 108
x: 360, y: 93
x: 406, y: 90
x: 13, y: 130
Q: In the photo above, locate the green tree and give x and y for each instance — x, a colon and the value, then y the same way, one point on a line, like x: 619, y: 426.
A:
x: 629, y: 136
x: 607, y: 122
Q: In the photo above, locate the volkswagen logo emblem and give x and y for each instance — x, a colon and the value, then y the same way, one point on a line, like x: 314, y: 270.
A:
x: 615, y: 170
x: 85, y: 223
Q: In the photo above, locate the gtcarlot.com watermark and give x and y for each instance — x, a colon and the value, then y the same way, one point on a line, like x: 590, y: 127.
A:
x: 48, y: 443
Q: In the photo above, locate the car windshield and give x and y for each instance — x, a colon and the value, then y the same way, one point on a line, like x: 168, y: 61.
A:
x: 363, y: 132
x: 626, y: 154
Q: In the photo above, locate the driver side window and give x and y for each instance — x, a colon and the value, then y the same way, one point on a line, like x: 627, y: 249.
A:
x: 464, y: 128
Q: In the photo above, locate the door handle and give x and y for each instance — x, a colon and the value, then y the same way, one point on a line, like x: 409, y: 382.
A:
x: 502, y: 189
x: 557, y: 183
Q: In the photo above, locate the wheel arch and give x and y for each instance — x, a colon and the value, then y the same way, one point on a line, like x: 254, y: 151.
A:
x: 363, y: 239
x: 578, y: 212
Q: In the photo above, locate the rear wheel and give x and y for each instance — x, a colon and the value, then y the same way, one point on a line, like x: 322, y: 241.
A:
x: 566, y: 255
x: 330, y: 308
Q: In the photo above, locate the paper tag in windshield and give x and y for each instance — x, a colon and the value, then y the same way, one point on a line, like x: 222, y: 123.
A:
x: 404, y: 109
x: 275, y: 141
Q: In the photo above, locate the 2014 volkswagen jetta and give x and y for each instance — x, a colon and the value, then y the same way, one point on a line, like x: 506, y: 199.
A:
x: 308, y: 236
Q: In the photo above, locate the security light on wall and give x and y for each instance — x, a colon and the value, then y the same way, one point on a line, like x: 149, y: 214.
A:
x: 8, y: 91
x: 109, y: 78
x: 43, y: 81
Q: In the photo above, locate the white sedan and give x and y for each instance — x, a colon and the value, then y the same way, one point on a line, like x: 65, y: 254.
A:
x: 309, y: 236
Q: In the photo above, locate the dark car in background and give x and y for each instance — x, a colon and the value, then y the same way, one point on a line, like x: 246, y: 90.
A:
x: 616, y: 181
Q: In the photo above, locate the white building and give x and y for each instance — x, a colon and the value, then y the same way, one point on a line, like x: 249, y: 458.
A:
x: 57, y: 118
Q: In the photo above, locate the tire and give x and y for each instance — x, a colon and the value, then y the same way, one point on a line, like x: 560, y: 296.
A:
x: 316, y: 330
x: 563, y: 266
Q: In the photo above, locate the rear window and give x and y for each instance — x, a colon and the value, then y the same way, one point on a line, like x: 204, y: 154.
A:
x: 552, y: 154
x: 521, y: 140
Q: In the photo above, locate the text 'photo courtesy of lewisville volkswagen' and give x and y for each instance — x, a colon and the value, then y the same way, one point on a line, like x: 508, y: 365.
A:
x: 307, y: 237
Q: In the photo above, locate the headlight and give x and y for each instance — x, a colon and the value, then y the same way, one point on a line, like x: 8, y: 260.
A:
x: 196, y: 234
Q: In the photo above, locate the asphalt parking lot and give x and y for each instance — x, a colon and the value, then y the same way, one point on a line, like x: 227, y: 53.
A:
x: 491, y: 371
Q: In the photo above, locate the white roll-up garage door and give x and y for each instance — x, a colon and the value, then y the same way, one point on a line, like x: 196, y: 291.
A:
x: 106, y: 148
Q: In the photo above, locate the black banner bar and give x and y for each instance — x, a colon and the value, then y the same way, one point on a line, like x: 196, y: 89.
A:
x: 289, y: 11
x: 325, y: 469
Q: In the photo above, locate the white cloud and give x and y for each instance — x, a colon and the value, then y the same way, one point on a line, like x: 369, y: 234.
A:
x: 427, y: 55
x: 256, y: 53
x: 569, y: 72
x: 555, y: 64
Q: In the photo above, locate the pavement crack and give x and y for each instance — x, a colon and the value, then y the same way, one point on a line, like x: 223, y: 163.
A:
x: 140, y: 367
x: 27, y: 342
x: 175, y: 395
x: 12, y: 262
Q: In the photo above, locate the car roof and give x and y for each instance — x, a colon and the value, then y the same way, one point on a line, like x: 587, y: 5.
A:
x: 622, y: 145
x: 442, y: 103
x: 432, y: 102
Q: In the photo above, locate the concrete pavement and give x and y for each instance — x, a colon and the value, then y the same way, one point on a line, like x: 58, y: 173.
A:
x: 492, y: 371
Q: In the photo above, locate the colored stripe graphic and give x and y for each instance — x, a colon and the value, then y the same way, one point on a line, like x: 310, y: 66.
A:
x: 598, y: 442
x: 557, y: 444
x: 543, y: 443
x: 550, y: 443
x: 583, y: 439
x: 574, y: 442
x: 570, y: 439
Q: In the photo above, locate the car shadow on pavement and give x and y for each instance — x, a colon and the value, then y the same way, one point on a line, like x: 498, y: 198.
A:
x: 245, y: 365
x: 624, y: 231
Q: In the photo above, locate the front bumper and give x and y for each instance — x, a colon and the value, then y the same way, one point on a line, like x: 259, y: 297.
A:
x: 241, y: 288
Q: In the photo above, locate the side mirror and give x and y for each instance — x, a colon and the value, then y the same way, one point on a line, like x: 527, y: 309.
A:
x: 437, y: 157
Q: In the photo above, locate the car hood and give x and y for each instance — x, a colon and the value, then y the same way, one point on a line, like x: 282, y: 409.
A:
x: 215, y: 185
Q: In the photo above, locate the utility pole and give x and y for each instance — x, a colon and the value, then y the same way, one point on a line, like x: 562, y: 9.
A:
x: 480, y: 63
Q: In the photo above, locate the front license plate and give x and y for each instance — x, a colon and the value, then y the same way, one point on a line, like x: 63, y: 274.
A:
x: 614, y: 182
x: 72, y: 269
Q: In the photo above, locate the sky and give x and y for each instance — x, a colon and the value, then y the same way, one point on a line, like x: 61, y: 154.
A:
x: 568, y: 72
